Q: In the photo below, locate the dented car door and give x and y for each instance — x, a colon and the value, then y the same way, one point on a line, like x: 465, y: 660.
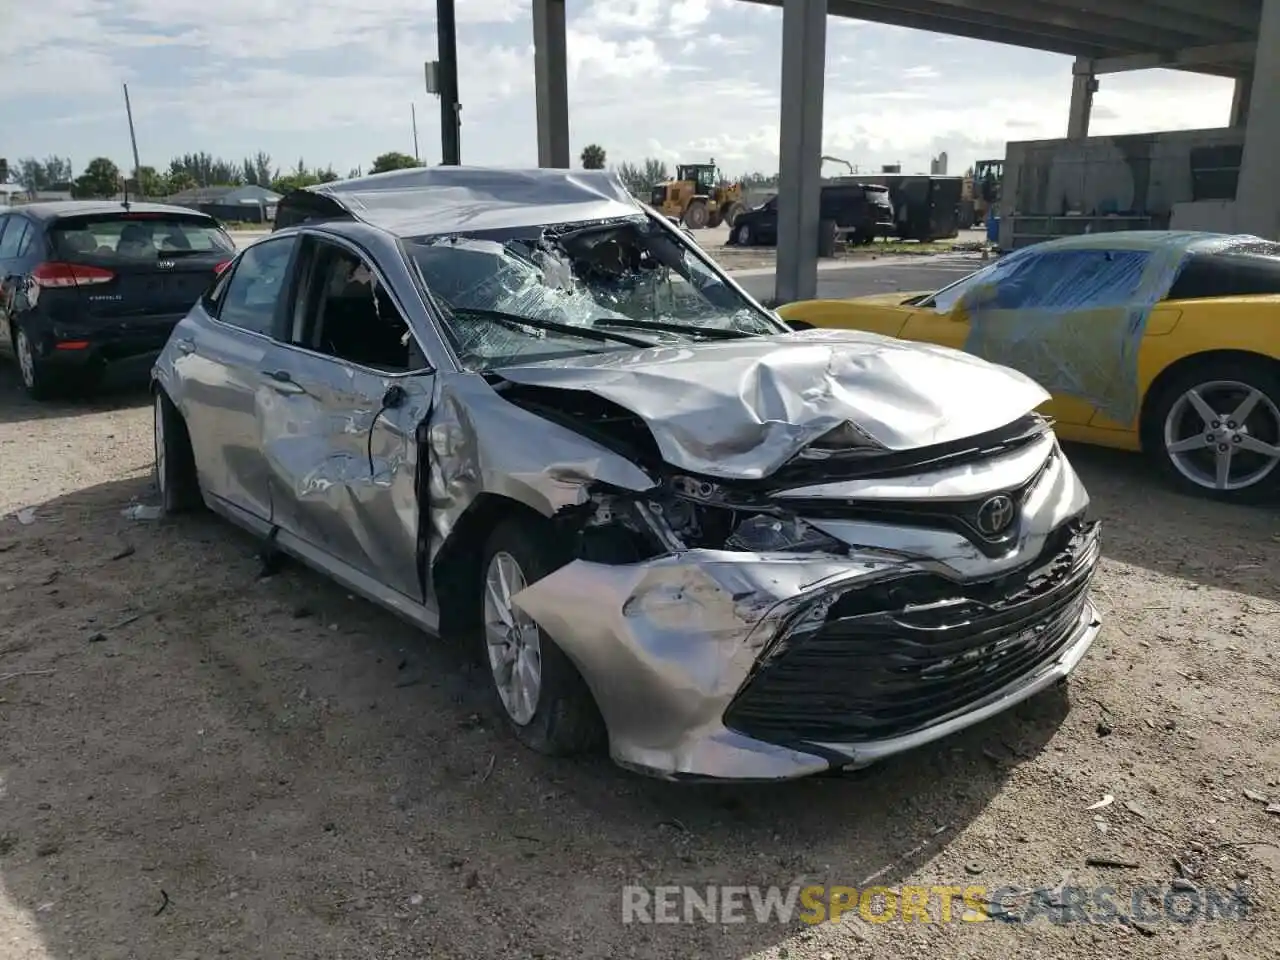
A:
x: 341, y: 423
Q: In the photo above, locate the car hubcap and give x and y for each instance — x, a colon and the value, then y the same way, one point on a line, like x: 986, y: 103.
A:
x: 26, y: 362
x: 513, y: 640
x: 744, y: 235
x: 1223, y: 435
x: 159, y: 434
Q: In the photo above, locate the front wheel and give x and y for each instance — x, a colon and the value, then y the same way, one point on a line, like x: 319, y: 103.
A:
x: 1214, y: 430
x: 175, y: 471
x: 544, y: 698
x: 696, y: 215
x: 746, y: 236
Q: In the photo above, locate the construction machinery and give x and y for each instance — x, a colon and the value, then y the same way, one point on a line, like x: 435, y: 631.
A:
x: 988, y: 175
x: 699, y: 197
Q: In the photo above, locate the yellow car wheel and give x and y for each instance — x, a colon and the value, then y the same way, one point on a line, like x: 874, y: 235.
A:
x: 1214, y: 429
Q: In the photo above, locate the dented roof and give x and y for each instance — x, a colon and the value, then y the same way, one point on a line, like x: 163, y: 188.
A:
x: 448, y: 199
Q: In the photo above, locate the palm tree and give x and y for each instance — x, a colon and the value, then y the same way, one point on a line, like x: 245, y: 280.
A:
x: 593, y: 157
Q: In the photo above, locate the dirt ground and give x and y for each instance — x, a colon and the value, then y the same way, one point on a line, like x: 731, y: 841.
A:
x: 197, y: 761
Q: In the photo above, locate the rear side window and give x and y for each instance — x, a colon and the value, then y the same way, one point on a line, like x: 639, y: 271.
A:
x: 253, y: 293
x: 12, y: 240
x: 1226, y: 275
x: 132, y: 237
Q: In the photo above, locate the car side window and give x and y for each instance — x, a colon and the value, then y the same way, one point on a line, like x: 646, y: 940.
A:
x: 253, y: 293
x: 14, y: 228
x: 28, y: 237
x: 348, y: 314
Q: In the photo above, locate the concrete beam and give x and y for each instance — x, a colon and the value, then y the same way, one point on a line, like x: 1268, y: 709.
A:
x: 1226, y: 55
x: 1083, y: 86
x: 1257, y: 191
x: 804, y: 64
x: 551, y: 83
x: 1051, y: 16
x: 1198, y: 19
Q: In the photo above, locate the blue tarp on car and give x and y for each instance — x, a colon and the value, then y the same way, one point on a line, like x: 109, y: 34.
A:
x: 1071, y: 313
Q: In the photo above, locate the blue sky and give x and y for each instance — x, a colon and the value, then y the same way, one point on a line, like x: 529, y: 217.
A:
x: 331, y: 81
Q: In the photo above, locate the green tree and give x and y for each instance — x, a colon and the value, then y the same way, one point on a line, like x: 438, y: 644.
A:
x: 639, y: 179
x: 180, y: 181
x: 593, y: 157
x: 327, y: 175
x: 393, y: 160
x: 258, y: 170
x: 150, y: 183
x: 100, y: 180
x: 36, y: 175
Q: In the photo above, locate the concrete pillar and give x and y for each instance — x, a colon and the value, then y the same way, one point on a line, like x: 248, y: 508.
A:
x: 551, y: 83
x: 1240, y: 100
x: 804, y: 62
x: 1258, y: 192
x: 1083, y: 86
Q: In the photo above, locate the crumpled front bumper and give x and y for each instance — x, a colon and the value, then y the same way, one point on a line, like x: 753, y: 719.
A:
x: 669, y: 645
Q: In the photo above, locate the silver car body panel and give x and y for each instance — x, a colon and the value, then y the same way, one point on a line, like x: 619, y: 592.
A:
x: 743, y: 408
x: 376, y: 497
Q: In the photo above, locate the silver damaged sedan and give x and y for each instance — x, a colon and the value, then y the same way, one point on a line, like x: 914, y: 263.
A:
x: 521, y: 407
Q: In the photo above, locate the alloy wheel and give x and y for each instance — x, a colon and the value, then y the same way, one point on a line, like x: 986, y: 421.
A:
x: 513, y: 640
x: 26, y: 360
x: 1223, y: 435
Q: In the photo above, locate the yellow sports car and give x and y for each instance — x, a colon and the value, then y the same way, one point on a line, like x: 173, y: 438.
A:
x: 1160, y: 341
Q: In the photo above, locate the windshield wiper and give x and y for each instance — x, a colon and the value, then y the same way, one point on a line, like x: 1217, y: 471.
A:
x: 584, y: 333
x: 711, y: 333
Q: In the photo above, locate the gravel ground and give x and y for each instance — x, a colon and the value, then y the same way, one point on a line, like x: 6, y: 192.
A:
x: 198, y: 761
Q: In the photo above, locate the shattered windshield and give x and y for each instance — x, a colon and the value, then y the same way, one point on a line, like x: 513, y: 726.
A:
x: 537, y: 293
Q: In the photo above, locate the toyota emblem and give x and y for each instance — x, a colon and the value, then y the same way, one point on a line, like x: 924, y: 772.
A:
x: 995, y: 516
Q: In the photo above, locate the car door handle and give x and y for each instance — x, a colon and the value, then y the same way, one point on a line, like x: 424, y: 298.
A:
x: 185, y: 346
x: 282, y: 382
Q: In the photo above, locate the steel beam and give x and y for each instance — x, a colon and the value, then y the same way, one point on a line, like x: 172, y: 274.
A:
x: 804, y: 60
x: 551, y: 83
x: 1258, y: 191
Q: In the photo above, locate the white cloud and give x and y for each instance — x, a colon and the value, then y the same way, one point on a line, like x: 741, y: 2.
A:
x: 332, y: 81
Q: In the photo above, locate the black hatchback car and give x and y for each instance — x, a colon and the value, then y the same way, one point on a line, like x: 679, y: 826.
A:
x: 87, y: 286
x: 862, y: 210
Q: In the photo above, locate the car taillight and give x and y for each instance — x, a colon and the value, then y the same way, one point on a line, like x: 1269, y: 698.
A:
x: 220, y: 268
x: 55, y: 274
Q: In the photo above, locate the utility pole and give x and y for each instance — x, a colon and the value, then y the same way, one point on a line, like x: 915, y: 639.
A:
x: 450, y: 109
x: 413, y: 115
x: 133, y: 138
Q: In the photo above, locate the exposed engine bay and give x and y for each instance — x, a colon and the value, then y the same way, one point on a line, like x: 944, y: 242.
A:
x: 687, y: 511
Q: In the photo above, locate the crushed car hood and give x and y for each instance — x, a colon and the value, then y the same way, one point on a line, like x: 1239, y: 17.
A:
x: 740, y: 409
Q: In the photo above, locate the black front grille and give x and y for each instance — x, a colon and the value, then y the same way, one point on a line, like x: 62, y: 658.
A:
x: 895, y: 657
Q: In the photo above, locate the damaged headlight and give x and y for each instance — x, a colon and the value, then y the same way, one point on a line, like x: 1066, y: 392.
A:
x: 766, y: 534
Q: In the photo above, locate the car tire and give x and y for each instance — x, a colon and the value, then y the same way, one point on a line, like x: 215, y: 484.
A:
x: 175, y: 469
x: 1206, y: 395
x: 37, y: 380
x: 696, y: 215
x: 731, y: 215
x: 745, y: 235
x: 558, y: 716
